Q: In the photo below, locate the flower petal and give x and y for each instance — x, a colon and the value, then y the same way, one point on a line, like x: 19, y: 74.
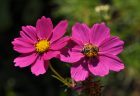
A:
x: 106, y: 62
x: 23, y: 46
x: 112, y: 45
x: 70, y: 57
x: 59, y: 44
x: 39, y: 67
x: 79, y: 72
x: 29, y: 33
x: 50, y: 54
x: 99, y: 32
x: 59, y: 30
x: 25, y: 60
x: 81, y: 32
x: 113, y: 62
x: 75, y: 48
x: 44, y: 28
x: 98, y: 67
x: 74, y: 41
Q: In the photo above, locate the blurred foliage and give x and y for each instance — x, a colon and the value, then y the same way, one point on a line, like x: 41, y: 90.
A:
x: 123, y: 17
x: 76, y: 10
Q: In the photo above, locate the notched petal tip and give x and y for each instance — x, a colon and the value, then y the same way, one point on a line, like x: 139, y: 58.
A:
x: 120, y: 68
x: 76, y: 25
x: 44, y: 27
x: 103, y: 23
x: 38, y: 67
x: 63, y: 23
x: 45, y: 18
x: 38, y: 74
x: 13, y: 42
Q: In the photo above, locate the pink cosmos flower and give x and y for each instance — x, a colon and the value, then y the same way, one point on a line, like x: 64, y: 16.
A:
x: 39, y: 44
x: 92, y: 50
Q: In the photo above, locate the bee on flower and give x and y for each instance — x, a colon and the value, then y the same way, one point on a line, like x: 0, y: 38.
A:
x: 92, y: 51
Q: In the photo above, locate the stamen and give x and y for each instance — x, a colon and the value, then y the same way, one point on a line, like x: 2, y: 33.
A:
x: 42, y: 46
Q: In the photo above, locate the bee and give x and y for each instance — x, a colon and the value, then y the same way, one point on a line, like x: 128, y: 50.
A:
x: 90, y: 51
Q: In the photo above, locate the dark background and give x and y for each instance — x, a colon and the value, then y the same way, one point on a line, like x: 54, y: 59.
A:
x: 123, y: 17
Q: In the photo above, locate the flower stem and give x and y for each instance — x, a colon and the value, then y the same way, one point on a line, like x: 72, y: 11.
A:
x: 55, y: 72
x: 59, y: 77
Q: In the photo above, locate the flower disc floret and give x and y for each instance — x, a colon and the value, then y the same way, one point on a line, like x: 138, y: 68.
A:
x: 42, y: 46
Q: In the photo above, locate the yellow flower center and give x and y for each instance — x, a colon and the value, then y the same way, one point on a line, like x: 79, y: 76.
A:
x: 90, y: 50
x: 42, y: 46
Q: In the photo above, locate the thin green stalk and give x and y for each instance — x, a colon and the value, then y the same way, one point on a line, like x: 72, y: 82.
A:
x: 59, y: 77
x: 56, y: 73
x: 63, y: 81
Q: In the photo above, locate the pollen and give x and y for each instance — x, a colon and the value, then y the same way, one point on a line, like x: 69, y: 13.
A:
x: 42, y: 46
x: 90, y: 50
